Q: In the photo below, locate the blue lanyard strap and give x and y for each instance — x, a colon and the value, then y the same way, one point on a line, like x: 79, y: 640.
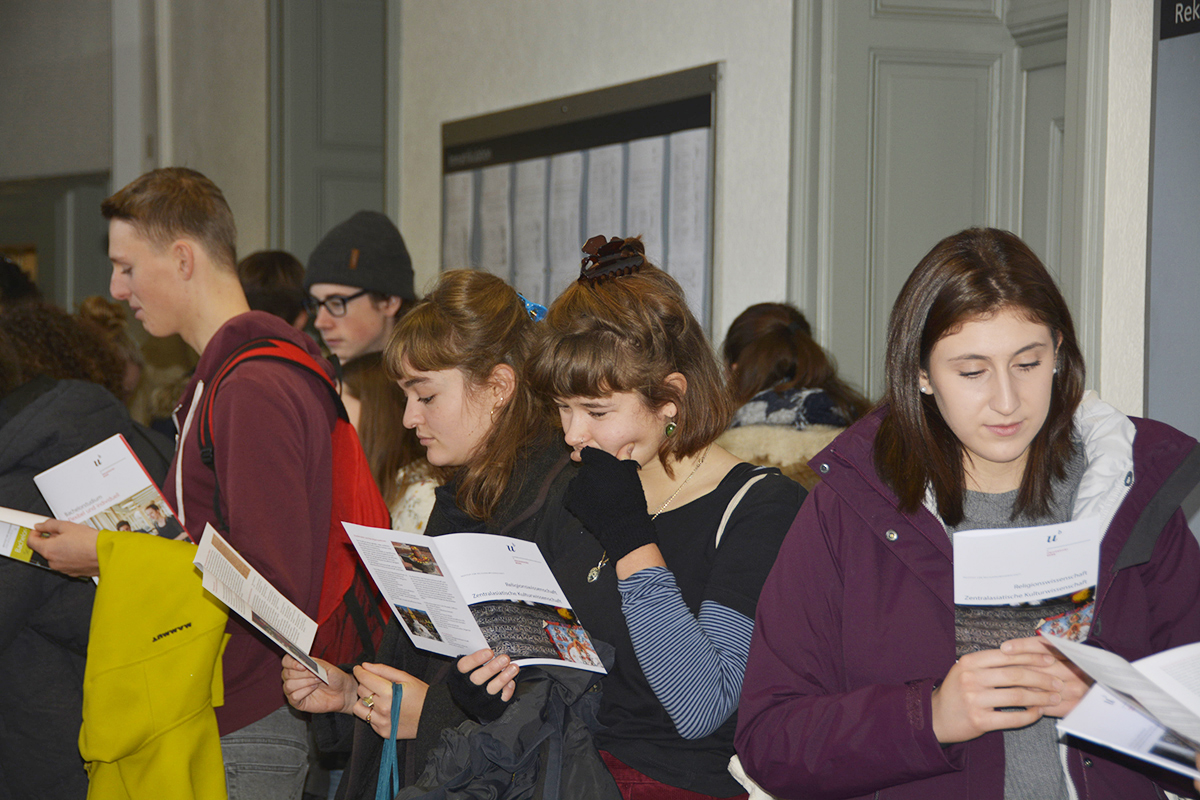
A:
x: 389, y: 769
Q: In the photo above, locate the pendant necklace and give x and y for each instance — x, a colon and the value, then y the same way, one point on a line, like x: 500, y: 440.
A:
x: 594, y: 572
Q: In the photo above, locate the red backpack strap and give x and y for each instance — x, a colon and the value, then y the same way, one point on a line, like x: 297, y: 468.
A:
x: 265, y: 347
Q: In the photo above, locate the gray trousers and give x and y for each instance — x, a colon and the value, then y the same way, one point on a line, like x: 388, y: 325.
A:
x: 267, y: 760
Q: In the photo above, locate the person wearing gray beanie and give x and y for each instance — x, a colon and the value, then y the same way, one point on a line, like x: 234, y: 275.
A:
x: 359, y: 280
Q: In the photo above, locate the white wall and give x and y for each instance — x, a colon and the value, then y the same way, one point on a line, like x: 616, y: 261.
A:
x: 461, y: 58
x: 219, y: 108
x: 1126, y: 206
x: 55, y: 88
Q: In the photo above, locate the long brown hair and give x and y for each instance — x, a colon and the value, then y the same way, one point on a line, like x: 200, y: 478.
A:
x: 388, y: 444
x: 627, y: 334
x: 970, y: 275
x: 473, y: 322
x: 770, y: 345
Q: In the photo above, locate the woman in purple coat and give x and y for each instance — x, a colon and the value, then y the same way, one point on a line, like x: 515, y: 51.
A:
x: 865, y: 679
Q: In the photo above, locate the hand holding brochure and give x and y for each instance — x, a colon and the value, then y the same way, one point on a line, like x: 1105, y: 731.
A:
x: 462, y: 592
x: 1149, y: 709
x: 232, y: 580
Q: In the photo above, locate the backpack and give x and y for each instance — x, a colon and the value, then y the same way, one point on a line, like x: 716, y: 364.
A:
x: 352, y: 612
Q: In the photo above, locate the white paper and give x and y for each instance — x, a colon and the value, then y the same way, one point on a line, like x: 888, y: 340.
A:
x: 232, y: 580
x: 104, y: 486
x: 1173, y: 704
x: 644, y: 201
x: 15, y: 529
x: 566, y: 235
x: 529, y: 229
x: 1104, y: 717
x: 687, y: 216
x: 495, y: 219
x: 459, y: 191
x: 448, y: 590
x: 606, y: 174
x: 995, y: 567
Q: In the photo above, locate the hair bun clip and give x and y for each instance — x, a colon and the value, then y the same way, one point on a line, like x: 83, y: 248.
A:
x: 613, y: 259
x: 536, y: 311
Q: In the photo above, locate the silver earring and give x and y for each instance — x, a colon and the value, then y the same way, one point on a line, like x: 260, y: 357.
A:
x: 926, y: 390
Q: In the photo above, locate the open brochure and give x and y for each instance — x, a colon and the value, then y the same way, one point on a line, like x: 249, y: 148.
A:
x: 463, y: 592
x: 232, y: 580
x: 1149, y: 709
x: 107, y: 488
x: 15, y: 529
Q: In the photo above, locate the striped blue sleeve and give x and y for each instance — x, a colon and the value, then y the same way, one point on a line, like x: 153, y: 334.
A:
x: 667, y: 636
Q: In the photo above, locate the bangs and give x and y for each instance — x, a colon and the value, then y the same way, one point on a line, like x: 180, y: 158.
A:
x: 594, y: 364
x: 426, y: 339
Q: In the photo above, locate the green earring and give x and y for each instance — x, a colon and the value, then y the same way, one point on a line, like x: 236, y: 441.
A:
x: 670, y: 430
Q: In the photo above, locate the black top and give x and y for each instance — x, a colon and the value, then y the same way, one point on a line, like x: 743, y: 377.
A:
x: 640, y: 732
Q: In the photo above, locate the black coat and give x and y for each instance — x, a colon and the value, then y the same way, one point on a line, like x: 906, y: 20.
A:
x: 44, y: 615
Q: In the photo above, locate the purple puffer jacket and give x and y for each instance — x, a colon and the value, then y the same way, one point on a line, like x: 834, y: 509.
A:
x: 855, y: 624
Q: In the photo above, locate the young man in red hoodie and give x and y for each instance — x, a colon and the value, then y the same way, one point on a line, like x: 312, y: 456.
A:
x: 172, y: 247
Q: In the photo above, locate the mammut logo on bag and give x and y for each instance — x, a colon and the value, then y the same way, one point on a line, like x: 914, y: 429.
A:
x: 184, y: 626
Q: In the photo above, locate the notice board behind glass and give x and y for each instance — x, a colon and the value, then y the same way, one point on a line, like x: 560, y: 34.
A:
x: 523, y: 189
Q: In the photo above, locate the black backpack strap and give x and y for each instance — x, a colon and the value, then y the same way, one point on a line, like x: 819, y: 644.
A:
x: 266, y: 347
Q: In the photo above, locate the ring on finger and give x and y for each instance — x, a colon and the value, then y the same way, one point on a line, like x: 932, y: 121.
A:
x: 369, y: 700
x: 368, y: 718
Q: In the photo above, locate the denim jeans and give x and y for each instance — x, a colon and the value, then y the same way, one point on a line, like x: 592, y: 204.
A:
x: 268, y: 759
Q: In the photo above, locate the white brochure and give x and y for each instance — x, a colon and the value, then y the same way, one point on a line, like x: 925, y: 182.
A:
x: 232, y: 580
x: 462, y: 592
x: 1005, y: 566
x: 1149, y: 709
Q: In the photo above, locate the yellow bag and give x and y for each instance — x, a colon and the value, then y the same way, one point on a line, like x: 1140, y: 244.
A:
x: 153, y: 675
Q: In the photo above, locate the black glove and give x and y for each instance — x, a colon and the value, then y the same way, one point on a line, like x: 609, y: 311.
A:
x: 606, y: 496
x: 474, y: 699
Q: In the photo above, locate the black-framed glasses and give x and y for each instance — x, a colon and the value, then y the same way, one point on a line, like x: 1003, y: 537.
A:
x: 335, y: 304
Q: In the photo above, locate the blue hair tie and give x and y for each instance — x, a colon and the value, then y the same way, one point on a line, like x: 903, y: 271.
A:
x: 536, y: 311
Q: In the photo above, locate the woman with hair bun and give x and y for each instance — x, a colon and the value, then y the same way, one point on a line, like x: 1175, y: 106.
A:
x: 865, y: 679
x: 679, y: 534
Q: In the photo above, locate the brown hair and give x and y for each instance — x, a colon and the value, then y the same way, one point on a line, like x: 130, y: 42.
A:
x: 473, y: 322
x: 48, y: 341
x: 273, y: 281
x: 170, y: 202
x: 108, y: 316
x: 627, y: 334
x: 770, y: 345
x: 10, y: 367
x: 970, y: 275
x: 388, y: 444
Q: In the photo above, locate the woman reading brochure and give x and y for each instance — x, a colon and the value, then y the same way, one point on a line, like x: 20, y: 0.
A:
x: 865, y: 679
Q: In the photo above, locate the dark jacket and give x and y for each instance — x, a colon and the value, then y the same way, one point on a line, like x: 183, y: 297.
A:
x: 44, y: 615
x: 541, y: 747
x: 532, y: 503
x: 856, y: 622
x: 272, y: 441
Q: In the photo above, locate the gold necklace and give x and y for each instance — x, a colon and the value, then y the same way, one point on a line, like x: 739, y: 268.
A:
x: 594, y: 572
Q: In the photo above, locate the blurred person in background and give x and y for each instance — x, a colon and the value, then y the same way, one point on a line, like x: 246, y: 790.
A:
x: 790, y: 401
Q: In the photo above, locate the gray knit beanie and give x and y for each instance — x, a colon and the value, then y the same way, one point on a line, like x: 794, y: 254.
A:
x: 364, y: 251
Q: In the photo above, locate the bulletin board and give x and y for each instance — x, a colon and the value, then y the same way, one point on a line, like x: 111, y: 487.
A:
x: 523, y: 189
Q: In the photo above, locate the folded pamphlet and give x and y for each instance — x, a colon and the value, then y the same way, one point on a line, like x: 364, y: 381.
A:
x: 1149, y: 709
